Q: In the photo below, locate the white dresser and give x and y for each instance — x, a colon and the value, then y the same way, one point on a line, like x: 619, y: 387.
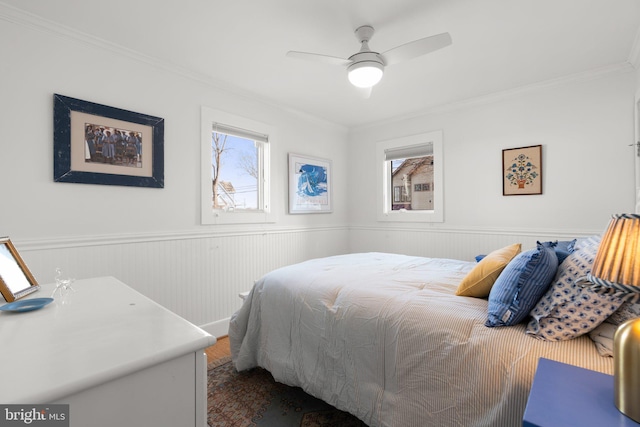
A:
x: 115, y: 356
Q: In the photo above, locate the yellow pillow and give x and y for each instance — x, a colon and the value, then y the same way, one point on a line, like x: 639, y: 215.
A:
x: 479, y: 281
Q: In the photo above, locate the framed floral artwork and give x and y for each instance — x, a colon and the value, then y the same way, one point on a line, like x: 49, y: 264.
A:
x: 522, y: 171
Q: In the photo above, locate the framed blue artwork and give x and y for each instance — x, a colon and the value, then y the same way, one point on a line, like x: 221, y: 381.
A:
x: 97, y: 144
x: 309, y: 184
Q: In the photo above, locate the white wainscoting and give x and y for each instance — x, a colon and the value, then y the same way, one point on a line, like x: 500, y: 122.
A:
x: 196, y: 276
x: 199, y: 276
x: 456, y: 243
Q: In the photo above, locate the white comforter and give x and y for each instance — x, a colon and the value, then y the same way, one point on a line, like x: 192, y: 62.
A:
x: 383, y: 336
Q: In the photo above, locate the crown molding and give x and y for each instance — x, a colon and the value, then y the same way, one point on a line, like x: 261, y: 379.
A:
x: 38, y: 23
x: 621, y: 68
x: 634, y: 54
x: 35, y: 22
x: 29, y: 20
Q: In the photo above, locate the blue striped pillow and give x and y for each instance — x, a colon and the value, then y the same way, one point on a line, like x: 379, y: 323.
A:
x: 521, y: 284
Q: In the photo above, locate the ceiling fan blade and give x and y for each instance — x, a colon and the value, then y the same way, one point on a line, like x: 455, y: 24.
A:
x: 364, y: 92
x: 416, y: 48
x: 333, y: 60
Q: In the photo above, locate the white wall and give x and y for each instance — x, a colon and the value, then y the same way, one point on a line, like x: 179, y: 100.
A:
x: 37, y: 64
x: 585, y: 126
x: 150, y: 238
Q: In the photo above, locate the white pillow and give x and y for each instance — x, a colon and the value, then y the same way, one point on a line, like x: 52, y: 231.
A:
x: 628, y: 310
x: 602, y: 336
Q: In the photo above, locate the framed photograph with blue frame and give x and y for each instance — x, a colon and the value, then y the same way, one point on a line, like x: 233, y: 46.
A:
x: 98, y: 144
x: 309, y: 184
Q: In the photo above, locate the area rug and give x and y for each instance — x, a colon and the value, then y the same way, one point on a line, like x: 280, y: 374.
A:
x: 254, y: 399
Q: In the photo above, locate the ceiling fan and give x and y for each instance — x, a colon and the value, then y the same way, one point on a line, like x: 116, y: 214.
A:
x: 365, y: 68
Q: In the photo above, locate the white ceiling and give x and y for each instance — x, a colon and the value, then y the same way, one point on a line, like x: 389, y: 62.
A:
x: 240, y: 45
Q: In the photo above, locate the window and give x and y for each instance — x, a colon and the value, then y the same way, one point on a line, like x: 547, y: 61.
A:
x: 410, y: 175
x: 235, y: 169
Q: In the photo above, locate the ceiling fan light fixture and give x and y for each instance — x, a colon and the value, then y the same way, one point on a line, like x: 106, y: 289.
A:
x: 366, y: 67
x: 365, y: 74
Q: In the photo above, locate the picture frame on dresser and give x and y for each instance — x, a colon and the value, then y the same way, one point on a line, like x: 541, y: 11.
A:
x: 16, y: 281
x: 99, y: 144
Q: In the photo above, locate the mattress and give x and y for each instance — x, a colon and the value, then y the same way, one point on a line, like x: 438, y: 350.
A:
x: 384, y: 337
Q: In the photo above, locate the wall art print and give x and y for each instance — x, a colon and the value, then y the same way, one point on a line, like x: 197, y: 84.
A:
x: 309, y: 184
x: 97, y: 144
x: 522, y: 171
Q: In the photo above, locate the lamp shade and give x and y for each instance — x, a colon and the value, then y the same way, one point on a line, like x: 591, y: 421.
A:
x: 617, y: 263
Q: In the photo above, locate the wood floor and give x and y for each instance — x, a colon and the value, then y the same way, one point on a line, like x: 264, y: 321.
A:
x: 219, y: 350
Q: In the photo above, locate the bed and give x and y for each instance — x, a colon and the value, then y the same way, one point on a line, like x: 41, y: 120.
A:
x: 386, y: 338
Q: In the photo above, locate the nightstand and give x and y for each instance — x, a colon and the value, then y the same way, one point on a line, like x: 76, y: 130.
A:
x: 566, y: 395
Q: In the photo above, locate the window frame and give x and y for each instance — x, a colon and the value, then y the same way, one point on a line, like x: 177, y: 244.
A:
x: 264, y: 213
x: 385, y: 193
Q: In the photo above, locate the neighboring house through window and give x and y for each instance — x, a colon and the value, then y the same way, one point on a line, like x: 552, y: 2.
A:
x: 412, y: 181
x: 410, y: 178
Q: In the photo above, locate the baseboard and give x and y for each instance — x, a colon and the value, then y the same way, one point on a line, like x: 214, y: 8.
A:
x: 219, y: 328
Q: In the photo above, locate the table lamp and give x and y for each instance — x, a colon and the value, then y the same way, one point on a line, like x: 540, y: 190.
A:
x: 616, y: 268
